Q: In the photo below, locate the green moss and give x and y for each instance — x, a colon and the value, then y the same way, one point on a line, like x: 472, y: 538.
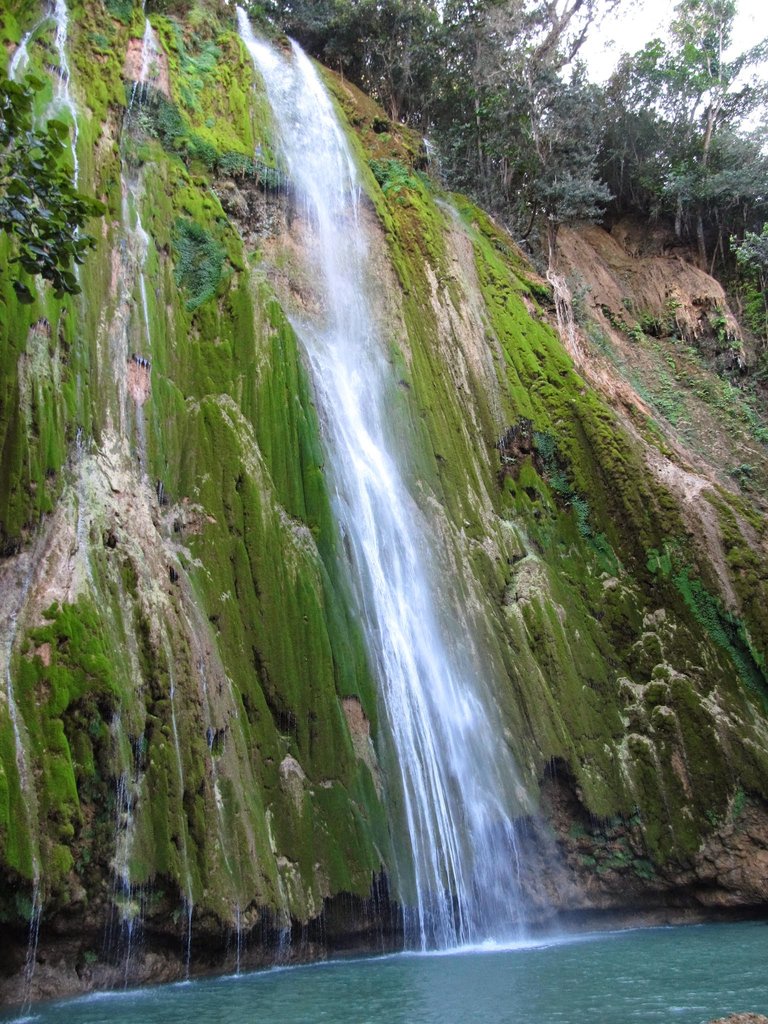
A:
x: 120, y: 9
x: 68, y: 676
x: 258, y: 629
x: 722, y: 627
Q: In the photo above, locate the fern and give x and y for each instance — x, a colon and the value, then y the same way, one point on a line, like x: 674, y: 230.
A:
x: 199, y: 261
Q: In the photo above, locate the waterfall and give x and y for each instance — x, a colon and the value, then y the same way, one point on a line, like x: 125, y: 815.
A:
x: 147, y: 71
x: 133, y: 259
x: 137, y: 236
x: 188, y: 898
x: 456, y: 776
x: 25, y: 772
x: 20, y: 58
x: 63, y: 97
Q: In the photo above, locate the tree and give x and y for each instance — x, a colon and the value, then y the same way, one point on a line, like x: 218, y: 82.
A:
x: 39, y: 206
x: 752, y: 260
x: 674, y: 142
x: 515, y: 115
x: 387, y: 47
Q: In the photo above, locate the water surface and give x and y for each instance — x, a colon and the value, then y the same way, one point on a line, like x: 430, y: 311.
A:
x: 681, y: 975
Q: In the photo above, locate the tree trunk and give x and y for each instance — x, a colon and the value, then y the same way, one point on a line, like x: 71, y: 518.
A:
x: 702, y: 246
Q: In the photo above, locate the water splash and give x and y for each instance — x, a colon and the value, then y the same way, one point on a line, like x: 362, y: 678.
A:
x: 457, y: 781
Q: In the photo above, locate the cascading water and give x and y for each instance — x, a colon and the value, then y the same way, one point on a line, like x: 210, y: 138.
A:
x: 20, y: 58
x: 133, y: 260
x: 189, y: 901
x: 126, y: 897
x: 26, y: 784
x: 149, y: 57
x: 63, y: 97
x: 138, y: 246
x: 457, y: 778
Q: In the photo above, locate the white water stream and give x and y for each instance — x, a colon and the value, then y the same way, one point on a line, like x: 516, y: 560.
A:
x: 28, y: 792
x: 456, y: 775
x: 62, y: 94
x: 20, y: 58
x: 189, y: 900
x: 148, y: 70
x: 136, y: 251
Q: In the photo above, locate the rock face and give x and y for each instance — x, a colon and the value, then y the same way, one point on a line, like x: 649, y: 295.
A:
x: 191, y: 766
x: 742, y: 1018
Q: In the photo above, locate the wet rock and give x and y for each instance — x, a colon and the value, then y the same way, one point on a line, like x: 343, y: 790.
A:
x: 158, y: 77
x: 741, y: 1018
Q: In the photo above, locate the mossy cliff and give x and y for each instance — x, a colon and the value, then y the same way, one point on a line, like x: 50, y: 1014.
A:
x: 189, y: 725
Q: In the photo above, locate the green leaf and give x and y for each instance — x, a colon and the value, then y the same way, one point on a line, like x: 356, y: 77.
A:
x: 23, y: 294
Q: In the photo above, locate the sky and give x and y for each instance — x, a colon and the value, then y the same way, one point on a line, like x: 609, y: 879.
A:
x: 629, y: 29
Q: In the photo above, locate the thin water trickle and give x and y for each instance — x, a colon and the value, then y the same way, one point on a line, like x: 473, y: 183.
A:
x: 188, y: 904
x: 20, y: 58
x: 26, y: 781
x: 149, y: 56
x: 22, y: 765
x: 135, y: 252
x: 126, y: 898
x: 82, y: 498
x: 134, y: 263
x: 457, y: 779
x: 238, y: 938
x: 62, y: 99
x: 30, y: 960
x: 63, y: 95
x: 225, y: 842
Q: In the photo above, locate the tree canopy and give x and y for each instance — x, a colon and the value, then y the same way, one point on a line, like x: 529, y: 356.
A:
x: 499, y: 86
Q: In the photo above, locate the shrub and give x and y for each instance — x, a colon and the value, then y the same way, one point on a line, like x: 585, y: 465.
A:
x: 393, y: 176
x: 199, y: 261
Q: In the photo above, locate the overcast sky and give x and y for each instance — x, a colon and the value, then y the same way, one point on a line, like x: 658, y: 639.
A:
x: 637, y: 23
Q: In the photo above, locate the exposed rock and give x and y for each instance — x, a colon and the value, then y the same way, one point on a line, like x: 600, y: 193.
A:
x: 741, y: 1018
x: 658, y: 286
x: 609, y: 869
x: 292, y: 778
x: 158, y: 76
x: 362, y: 741
x: 139, y: 380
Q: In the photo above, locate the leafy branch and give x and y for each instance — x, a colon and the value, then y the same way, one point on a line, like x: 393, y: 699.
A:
x: 39, y: 206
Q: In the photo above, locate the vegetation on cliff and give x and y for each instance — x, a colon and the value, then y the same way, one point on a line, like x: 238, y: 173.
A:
x: 38, y: 204
x: 163, y: 495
